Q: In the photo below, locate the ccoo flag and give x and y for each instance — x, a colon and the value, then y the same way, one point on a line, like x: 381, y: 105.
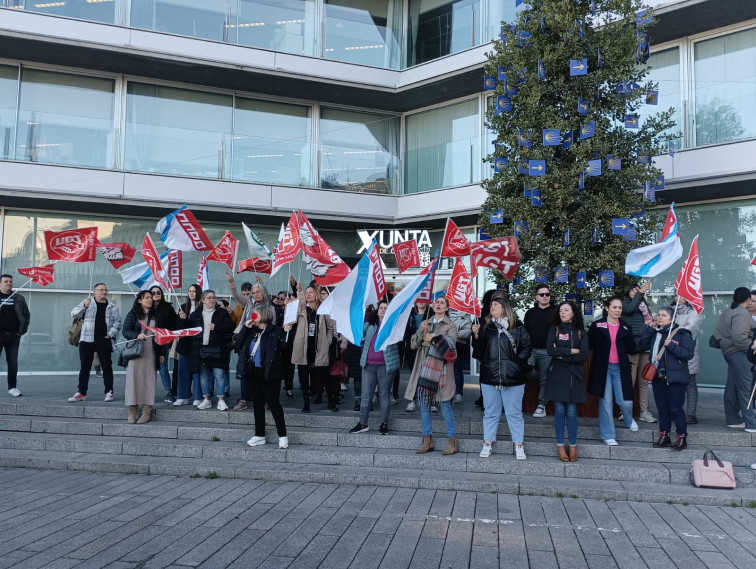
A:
x: 651, y: 260
x: 181, y: 230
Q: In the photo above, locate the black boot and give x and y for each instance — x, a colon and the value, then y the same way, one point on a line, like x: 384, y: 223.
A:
x: 332, y: 403
x: 681, y: 443
x: 318, y: 399
x: 479, y: 401
x: 306, y: 408
x: 664, y: 440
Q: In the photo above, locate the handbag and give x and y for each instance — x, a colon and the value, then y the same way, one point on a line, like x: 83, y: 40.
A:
x: 714, y: 343
x: 132, y: 350
x: 649, y: 371
x: 719, y: 474
x: 210, y: 352
x: 74, y: 334
x: 339, y: 369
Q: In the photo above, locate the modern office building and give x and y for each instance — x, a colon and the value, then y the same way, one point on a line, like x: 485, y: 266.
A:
x: 366, y: 114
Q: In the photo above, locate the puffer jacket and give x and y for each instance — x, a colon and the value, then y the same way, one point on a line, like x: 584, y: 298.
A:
x: 500, y: 363
x: 390, y: 354
x: 734, y: 330
x: 673, y: 365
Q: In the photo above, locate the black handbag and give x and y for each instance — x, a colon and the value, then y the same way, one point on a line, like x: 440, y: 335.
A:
x: 132, y: 350
x: 210, y: 352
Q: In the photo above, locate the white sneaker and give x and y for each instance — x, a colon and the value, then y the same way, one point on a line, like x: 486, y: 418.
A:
x: 393, y: 400
x: 634, y: 426
x: 753, y: 466
x: 222, y: 405
x: 197, y: 402
x: 344, y: 387
x: 257, y: 441
x: 205, y: 404
x: 283, y: 442
x: 519, y: 452
x: 621, y: 417
x: 109, y: 396
x: 647, y: 417
x: 14, y: 392
x: 458, y: 398
x: 487, y: 450
x: 411, y: 407
x: 77, y: 397
x: 434, y: 409
x: 738, y: 426
x: 540, y: 411
x: 610, y: 442
x: 180, y: 402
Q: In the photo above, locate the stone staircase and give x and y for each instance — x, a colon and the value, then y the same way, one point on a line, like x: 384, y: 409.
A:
x: 94, y: 436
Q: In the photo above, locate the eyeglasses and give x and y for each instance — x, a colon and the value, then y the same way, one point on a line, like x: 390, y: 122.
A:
x: 281, y: 298
x: 156, y: 293
x: 544, y: 294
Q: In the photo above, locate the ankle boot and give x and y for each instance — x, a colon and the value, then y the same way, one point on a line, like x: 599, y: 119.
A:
x: 452, y: 446
x: 427, y: 444
x: 562, y: 454
x: 664, y: 440
x: 146, y: 413
x: 332, y: 403
x: 573, y: 453
x: 306, y: 407
x: 132, y: 414
x: 681, y: 443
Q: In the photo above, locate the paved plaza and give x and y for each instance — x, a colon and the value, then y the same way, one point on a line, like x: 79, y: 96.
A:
x: 59, y: 519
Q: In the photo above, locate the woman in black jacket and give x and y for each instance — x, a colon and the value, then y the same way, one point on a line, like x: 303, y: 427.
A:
x: 612, y: 342
x: 183, y: 347
x: 261, y: 365
x: 208, y: 352
x: 567, y: 346
x: 671, y: 347
x: 502, y: 346
x: 165, y: 317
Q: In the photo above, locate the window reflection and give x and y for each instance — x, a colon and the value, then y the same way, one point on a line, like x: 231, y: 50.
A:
x: 8, y: 95
x: 437, y: 29
x: 95, y: 10
x: 65, y: 119
x: 208, y: 19
x: 664, y: 71
x: 280, y: 25
x: 359, y: 151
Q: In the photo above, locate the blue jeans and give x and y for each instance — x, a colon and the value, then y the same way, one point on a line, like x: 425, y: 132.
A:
x: 606, y: 417
x: 510, y: 400
x: 372, y: 375
x: 446, y: 411
x: 165, y: 375
x: 208, y: 375
x: 569, y: 411
x: 185, y: 377
x: 540, y: 361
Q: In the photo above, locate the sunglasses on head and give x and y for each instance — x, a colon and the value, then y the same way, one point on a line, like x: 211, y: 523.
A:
x: 544, y: 294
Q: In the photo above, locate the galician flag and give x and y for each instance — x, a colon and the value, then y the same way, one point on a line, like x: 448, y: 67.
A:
x: 346, y: 304
x: 651, y: 260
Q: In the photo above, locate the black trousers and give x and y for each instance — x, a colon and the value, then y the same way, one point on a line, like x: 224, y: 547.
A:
x: 263, y: 392
x: 9, y: 341
x: 104, y: 348
x: 314, y: 379
x: 288, y: 376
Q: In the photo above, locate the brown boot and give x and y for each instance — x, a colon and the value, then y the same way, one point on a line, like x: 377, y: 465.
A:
x: 562, y: 454
x: 452, y: 446
x: 573, y: 453
x: 427, y: 444
x: 132, y: 414
x: 146, y: 413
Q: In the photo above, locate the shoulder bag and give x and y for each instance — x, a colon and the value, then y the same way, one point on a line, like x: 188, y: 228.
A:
x: 74, y: 334
x: 132, y: 350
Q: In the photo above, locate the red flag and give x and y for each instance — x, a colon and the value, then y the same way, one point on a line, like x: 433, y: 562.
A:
x: 688, y: 282
x: 150, y: 255
x: 225, y: 251
x: 72, y: 245
x: 502, y: 254
x: 378, y: 279
x: 288, y: 246
x: 322, y: 261
x: 117, y: 254
x: 426, y: 294
x: 460, y: 293
x: 407, y: 255
x: 43, y: 276
x: 203, y: 276
x: 164, y: 336
x: 174, y: 268
x: 455, y: 244
x: 257, y: 265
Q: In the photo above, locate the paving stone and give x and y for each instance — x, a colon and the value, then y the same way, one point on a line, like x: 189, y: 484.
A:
x: 69, y: 427
x: 83, y: 445
x: 402, y: 548
x: 325, y: 455
x: 19, y: 441
x: 411, y: 460
x: 35, y: 409
x: 567, y: 487
x: 149, y: 430
x: 371, y: 551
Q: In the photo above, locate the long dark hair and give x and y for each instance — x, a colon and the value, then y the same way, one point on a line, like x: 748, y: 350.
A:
x: 137, y: 308
x: 607, y: 302
x: 188, y: 307
x: 577, y: 317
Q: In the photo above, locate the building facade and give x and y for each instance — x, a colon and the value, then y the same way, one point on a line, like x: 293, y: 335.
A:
x: 369, y: 115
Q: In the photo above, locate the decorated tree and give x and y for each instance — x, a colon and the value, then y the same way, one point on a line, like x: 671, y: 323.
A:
x: 572, y: 169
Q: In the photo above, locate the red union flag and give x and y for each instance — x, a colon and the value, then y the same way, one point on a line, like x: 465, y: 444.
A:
x: 501, y: 254
x: 257, y: 265
x: 455, y: 243
x: 407, y: 255
x: 688, y: 283
x: 225, y: 251
x: 150, y: 255
x: 174, y: 268
x: 41, y: 275
x: 377, y: 268
x: 117, y: 254
x: 460, y: 294
x: 323, y: 262
x: 72, y: 245
x: 288, y: 246
x: 164, y: 336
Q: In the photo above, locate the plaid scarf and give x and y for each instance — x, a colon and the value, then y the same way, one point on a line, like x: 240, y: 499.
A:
x: 431, y: 378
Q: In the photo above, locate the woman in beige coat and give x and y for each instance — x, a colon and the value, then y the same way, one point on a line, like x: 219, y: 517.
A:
x: 432, y: 379
x: 311, y: 348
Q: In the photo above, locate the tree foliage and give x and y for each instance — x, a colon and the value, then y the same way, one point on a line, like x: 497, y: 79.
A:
x: 573, y: 32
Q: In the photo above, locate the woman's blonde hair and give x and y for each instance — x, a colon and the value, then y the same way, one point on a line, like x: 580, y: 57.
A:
x: 508, y: 312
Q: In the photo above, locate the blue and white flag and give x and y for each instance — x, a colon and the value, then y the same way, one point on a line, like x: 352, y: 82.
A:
x: 398, y: 312
x: 181, y: 230
x: 346, y: 304
x: 140, y: 274
x: 651, y: 260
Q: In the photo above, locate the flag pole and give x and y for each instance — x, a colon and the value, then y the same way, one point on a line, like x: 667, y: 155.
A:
x: 17, y: 289
x: 91, y: 278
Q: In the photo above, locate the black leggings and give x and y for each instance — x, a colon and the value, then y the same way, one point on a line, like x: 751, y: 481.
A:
x: 263, y: 392
x: 314, y: 379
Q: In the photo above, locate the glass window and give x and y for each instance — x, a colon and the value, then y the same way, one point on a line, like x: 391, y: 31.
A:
x: 208, y: 19
x: 272, y: 143
x: 280, y: 25
x: 664, y: 70
x: 499, y: 12
x: 96, y: 10
x: 359, y: 151
x: 65, y: 119
x: 177, y: 131
x: 8, y: 96
x: 364, y: 31
x: 725, y: 88
x: 440, y: 27
x: 443, y: 147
